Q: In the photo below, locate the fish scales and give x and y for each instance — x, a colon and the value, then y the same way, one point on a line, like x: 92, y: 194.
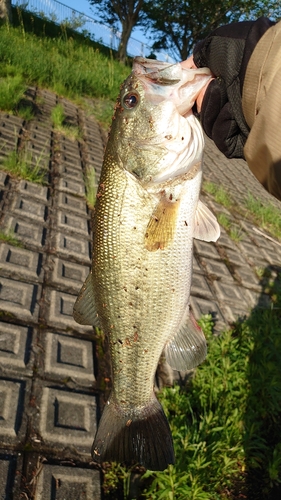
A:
x: 145, y: 219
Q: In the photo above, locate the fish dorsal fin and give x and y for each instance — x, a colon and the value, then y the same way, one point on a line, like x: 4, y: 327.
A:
x: 206, y: 226
x: 188, y: 348
x: 161, y: 227
x: 84, y: 310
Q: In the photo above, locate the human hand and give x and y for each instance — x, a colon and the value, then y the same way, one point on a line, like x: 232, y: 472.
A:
x: 226, y: 52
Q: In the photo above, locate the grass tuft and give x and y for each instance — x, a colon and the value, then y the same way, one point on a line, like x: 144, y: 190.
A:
x: 91, y: 188
x: 10, y: 238
x: 20, y: 164
x: 266, y: 215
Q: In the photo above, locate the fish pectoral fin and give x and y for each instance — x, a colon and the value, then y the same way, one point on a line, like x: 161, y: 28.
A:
x: 206, y: 226
x: 188, y: 348
x: 161, y: 227
x: 84, y: 310
x: 134, y: 436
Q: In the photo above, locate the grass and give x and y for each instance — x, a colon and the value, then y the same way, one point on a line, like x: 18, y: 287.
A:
x: 60, y: 125
x: 265, y: 215
x: 233, y: 230
x: 12, y: 90
x: 20, y: 164
x: 91, y: 190
x: 220, y: 195
x: 10, y: 238
x: 75, y: 68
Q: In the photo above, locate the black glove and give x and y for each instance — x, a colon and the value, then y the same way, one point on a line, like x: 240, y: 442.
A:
x: 226, y: 51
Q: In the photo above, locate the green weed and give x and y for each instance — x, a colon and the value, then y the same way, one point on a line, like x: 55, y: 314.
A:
x: 20, y: 164
x: 58, y: 116
x: 10, y: 238
x: 221, y: 196
x: 233, y: 230
x: 59, y: 123
x: 266, y: 215
x: 91, y: 188
x: 224, y: 220
x: 12, y: 90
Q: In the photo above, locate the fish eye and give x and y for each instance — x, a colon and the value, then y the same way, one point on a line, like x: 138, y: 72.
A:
x: 130, y: 100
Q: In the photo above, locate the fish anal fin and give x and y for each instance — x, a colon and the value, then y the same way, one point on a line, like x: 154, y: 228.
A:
x: 161, y: 227
x: 131, y: 437
x: 84, y: 310
x: 206, y: 226
x: 188, y: 348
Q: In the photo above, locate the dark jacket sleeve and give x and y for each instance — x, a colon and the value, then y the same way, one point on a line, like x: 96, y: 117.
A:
x: 226, y: 51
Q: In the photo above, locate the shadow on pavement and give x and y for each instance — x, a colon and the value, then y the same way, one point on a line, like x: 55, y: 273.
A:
x: 262, y: 422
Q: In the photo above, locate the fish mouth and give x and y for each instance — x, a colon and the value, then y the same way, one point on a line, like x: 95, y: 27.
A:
x: 163, y: 81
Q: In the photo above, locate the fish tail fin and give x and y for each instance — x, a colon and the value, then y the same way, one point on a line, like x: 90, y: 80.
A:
x: 134, y: 436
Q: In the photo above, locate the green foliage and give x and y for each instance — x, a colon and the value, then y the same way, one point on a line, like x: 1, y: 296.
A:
x: 91, y: 187
x: 266, y: 215
x: 21, y: 165
x: 177, y: 25
x: 220, y: 194
x: 10, y: 238
x: 58, y: 116
x: 226, y: 423
x: 59, y: 62
x: 12, y: 89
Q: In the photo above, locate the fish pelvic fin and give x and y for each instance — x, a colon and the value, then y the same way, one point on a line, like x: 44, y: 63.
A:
x: 161, y: 227
x: 188, y: 348
x: 206, y: 226
x: 134, y: 436
x: 84, y: 310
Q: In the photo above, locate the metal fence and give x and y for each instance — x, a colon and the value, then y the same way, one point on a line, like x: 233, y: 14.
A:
x: 62, y: 14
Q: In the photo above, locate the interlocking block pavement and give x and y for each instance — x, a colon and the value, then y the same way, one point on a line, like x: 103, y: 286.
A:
x: 61, y: 483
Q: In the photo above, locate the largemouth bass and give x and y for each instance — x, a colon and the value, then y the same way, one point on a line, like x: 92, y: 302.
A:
x: 146, y: 216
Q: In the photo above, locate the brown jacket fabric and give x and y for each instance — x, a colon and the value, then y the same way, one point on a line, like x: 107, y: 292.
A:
x: 261, y: 101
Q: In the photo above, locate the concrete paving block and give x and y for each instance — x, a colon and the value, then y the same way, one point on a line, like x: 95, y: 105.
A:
x: 3, y: 179
x: 235, y: 257
x: 15, y: 348
x: 12, y: 423
x: 66, y: 201
x: 68, y: 419
x: 68, y: 222
x: 206, y: 249
x: 249, y: 278
x: 204, y: 306
x: 20, y: 299
x: 60, y: 311
x: 235, y: 312
x: 69, y: 357
x: 25, y: 207
x: 70, y: 246
x: 199, y: 286
x: 73, y: 187
x: 224, y: 240
x: 27, y: 231
x: 68, y: 483
x: 7, y: 472
x: 229, y: 292
x: 72, y: 171
x: 69, y: 148
x: 65, y: 274
x: 196, y: 266
x: 251, y: 251
x: 219, y: 269
x: 31, y: 190
x: 272, y: 254
x: 18, y: 262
